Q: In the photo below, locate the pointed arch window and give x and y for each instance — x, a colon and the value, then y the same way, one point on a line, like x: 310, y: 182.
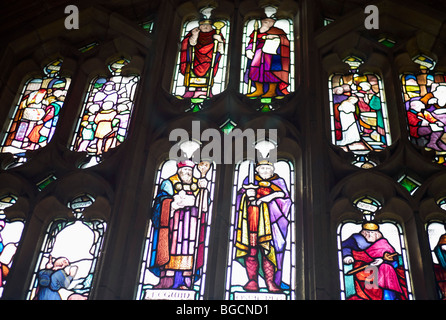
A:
x: 10, y: 235
x: 267, y: 72
x: 359, y: 120
x: 261, y: 259
x: 67, y: 261
x: 175, y: 257
x: 424, y: 95
x: 200, y: 72
x: 33, y: 120
x: 105, y: 117
x: 372, y: 257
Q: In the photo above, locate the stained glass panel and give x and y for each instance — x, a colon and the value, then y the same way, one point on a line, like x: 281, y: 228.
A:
x: 267, y: 59
x: 261, y: 260
x: 10, y: 235
x: 409, y: 183
x: 34, y: 120
x: 200, y: 72
x: 436, y: 231
x: 69, y: 255
x: 424, y: 95
x: 359, y: 119
x: 372, y: 257
x: 105, y: 118
x: 175, y: 256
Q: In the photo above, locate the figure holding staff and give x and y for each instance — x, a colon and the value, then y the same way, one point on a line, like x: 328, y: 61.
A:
x: 179, y: 221
x: 268, y: 66
x: 201, y: 51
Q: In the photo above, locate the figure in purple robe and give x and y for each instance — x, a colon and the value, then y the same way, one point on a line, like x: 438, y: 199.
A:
x: 263, y: 209
x: 268, y: 66
x: 370, y: 248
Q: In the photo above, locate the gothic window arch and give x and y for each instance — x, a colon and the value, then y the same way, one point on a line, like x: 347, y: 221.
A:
x: 33, y: 120
x: 261, y: 258
x: 105, y: 117
x: 424, y: 96
x: 174, y: 262
x: 200, y: 71
x: 267, y: 72
x: 68, y: 258
x: 10, y: 236
x: 358, y: 111
x: 372, y: 256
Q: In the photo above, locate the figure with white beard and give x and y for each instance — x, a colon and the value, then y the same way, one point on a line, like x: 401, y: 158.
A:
x: 179, y: 221
x: 369, y: 248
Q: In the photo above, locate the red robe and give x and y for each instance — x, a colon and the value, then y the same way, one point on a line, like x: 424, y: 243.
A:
x: 202, y: 58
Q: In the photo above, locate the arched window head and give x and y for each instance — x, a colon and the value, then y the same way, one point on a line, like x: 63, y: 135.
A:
x: 359, y: 121
x: 69, y: 255
x: 33, y: 120
x: 261, y: 259
x: 267, y: 73
x: 372, y: 257
x: 10, y: 235
x: 200, y: 72
x: 424, y: 95
x: 105, y: 117
x: 175, y: 256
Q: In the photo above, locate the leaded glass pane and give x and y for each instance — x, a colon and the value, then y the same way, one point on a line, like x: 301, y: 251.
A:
x: 33, y: 122
x: 436, y: 231
x: 267, y: 59
x: 175, y: 256
x: 10, y: 235
x: 200, y: 72
x: 105, y: 117
x: 261, y: 260
x: 373, y: 261
x: 69, y: 255
x: 424, y: 95
x: 358, y: 113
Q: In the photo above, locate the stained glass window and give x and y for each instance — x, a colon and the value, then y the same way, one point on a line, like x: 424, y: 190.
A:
x: 104, y: 120
x: 267, y: 59
x: 261, y: 259
x: 69, y: 255
x: 10, y: 235
x: 424, y: 95
x: 200, y: 72
x: 436, y: 231
x: 175, y: 255
x: 359, y: 122
x: 409, y: 183
x: 34, y: 119
x: 372, y: 257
